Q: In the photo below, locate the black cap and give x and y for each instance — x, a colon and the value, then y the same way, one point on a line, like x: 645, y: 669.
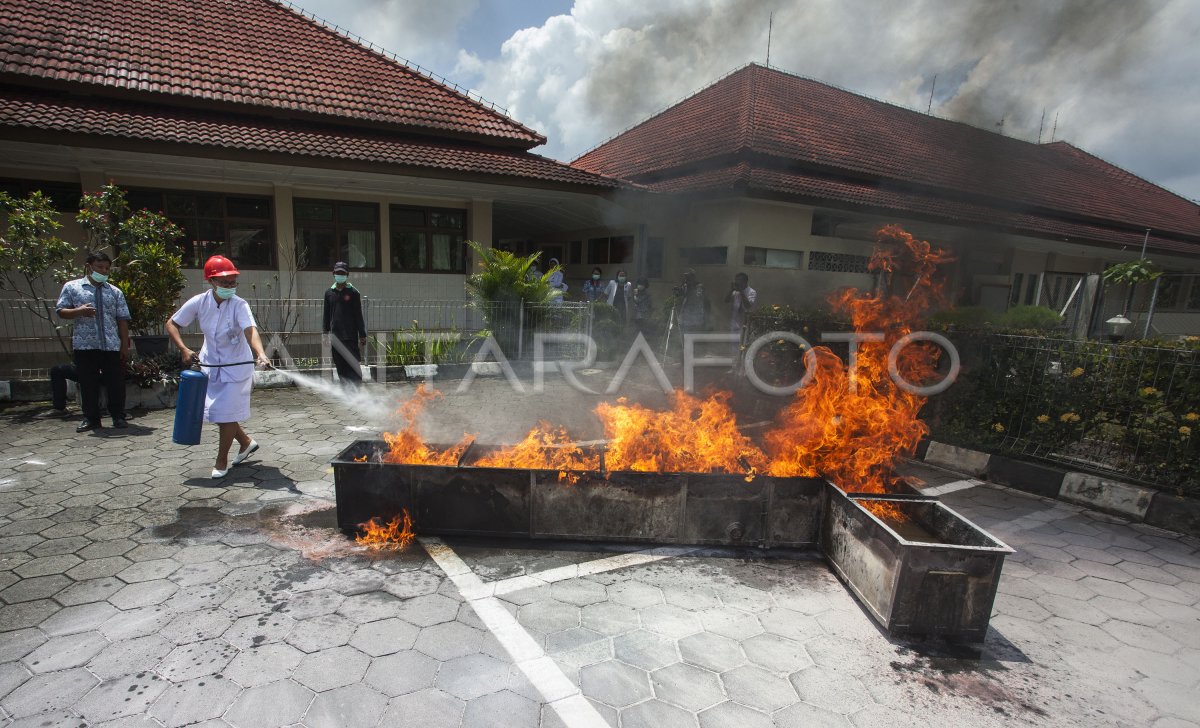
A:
x: 341, y: 267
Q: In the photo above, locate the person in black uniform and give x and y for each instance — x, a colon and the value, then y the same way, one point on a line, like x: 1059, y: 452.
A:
x: 344, y: 319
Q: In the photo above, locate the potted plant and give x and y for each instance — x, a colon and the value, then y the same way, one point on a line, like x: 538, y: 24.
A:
x: 503, y: 287
x: 147, y: 262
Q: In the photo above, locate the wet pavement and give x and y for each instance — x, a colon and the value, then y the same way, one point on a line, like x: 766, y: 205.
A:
x: 135, y: 591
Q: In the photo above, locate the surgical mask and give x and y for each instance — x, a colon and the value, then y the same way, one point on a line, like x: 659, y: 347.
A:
x: 620, y: 279
x: 226, y: 292
x: 340, y: 279
x: 595, y: 276
x: 99, y: 277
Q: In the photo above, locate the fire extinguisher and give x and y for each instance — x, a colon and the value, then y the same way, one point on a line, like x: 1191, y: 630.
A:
x: 189, y: 404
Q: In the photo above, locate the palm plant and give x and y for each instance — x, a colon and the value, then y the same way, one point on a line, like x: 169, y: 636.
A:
x: 503, y: 287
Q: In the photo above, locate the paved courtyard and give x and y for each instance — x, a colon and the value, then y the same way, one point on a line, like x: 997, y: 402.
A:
x: 134, y: 591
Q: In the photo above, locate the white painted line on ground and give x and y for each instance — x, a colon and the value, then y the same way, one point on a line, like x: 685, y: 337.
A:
x: 539, y: 668
x: 951, y: 487
x: 598, y: 566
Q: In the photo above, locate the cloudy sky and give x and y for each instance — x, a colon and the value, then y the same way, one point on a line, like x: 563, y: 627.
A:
x: 1119, y: 78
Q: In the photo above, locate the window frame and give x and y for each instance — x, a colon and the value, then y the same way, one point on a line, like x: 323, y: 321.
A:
x: 339, y: 229
x: 429, y: 230
x: 228, y: 222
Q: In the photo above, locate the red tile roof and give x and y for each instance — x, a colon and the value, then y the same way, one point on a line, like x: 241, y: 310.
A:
x: 30, y: 113
x: 769, y: 131
x: 254, y: 53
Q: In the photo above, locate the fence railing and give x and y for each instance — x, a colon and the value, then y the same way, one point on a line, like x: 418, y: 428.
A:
x: 397, y: 329
x: 1128, y: 410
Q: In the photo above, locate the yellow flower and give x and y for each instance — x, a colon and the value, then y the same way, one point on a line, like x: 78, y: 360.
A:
x: 1068, y: 417
x: 1043, y: 419
x: 1077, y: 372
x: 998, y: 427
x: 1149, y: 391
x: 1191, y: 417
x: 1185, y: 431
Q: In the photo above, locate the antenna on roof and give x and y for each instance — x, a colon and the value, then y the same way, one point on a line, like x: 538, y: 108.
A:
x: 1055, y: 129
x: 1041, y: 125
x: 770, y: 27
x: 1000, y: 126
x: 929, y: 106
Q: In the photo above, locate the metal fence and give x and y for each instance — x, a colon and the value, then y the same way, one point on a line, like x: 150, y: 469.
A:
x: 397, y: 331
x: 1128, y: 410
x: 1167, y: 307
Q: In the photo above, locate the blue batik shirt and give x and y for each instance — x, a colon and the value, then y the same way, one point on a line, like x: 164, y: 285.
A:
x: 99, y: 332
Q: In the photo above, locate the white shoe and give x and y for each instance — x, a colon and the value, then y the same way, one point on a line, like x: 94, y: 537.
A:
x: 218, y: 474
x: 241, y: 456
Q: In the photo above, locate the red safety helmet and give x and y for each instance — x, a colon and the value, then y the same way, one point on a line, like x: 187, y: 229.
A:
x: 219, y: 265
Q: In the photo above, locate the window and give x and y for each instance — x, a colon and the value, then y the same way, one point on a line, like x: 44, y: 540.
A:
x: 773, y: 257
x: 329, y: 231
x: 1170, y: 288
x: 1014, y: 295
x: 837, y: 262
x: 613, y: 250
x: 847, y: 227
x: 1193, y: 303
x: 714, y: 255
x: 63, y: 195
x: 576, y: 248
x: 240, y: 228
x: 428, y: 239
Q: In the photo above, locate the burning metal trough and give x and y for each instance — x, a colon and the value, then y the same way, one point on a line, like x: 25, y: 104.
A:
x: 686, y: 473
x: 916, y: 565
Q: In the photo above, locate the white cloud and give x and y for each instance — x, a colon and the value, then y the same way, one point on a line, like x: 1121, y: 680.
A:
x: 1119, y: 74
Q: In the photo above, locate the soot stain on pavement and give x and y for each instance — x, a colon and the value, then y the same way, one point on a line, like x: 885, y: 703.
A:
x: 968, y: 671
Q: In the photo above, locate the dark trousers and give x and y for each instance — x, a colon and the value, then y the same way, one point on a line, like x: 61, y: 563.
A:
x: 59, y: 374
x: 96, y: 369
x: 348, y: 370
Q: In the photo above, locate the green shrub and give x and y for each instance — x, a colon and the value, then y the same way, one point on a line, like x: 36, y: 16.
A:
x: 1030, y: 318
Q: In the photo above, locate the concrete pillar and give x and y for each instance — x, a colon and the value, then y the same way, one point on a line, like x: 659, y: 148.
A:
x: 479, y: 222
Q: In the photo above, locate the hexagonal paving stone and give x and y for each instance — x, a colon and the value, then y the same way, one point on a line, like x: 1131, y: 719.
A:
x: 401, y: 673
x: 20, y: 642
x: 757, y: 688
x: 12, y: 676
x: 269, y: 706
x: 369, y: 607
x: 472, y: 676
x: 804, y: 715
x: 196, y: 626
x: 711, y: 651
x: 259, y: 629
x: 635, y: 594
x: 732, y: 623
x: 830, y: 690
x: 30, y: 590
x: 693, y: 598
x: 262, y: 665
x: 96, y: 568
x: 320, y: 633
x: 500, y: 710
x: 354, y: 705
x: 549, y: 616
x: 78, y: 618
x: 656, y: 714
x: 787, y: 623
x: 615, y: 683
x: 91, y: 590
x: 570, y: 639
x: 122, y: 696
x: 645, y: 650
x: 195, y: 700
x: 143, y: 594
x: 609, y: 618
x: 194, y: 574
x: 136, y: 623
x: 67, y: 651
x: 148, y: 570
x: 669, y: 621
x: 196, y: 660
x: 331, y: 668
x: 579, y: 592
x: 428, y: 707
x: 413, y: 584
x: 777, y: 654
x: 52, y: 691
x: 47, y: 565
x: 428, y: 610
x: 445, y: 641
x: 730, y: 713
x: 130, y: 656
x: 687, y: 686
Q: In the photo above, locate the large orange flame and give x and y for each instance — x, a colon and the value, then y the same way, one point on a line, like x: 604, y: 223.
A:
x: 694, y: 436
x: 396, y: 535
x: 546, y: 447
x: 854, y: 430
x: 406, y: 444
